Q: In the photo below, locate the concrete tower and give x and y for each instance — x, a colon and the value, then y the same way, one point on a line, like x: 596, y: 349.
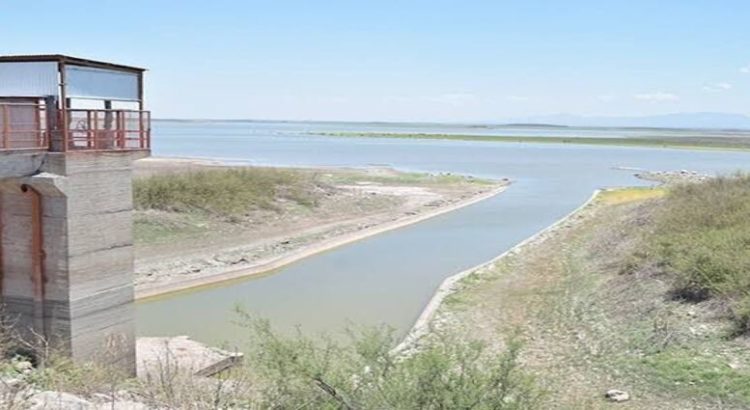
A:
x: 70, y: 130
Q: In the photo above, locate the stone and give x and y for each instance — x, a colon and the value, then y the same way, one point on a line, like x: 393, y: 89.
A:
x: 9, y: 382
x: 181, y: 354
x: 102, y: 397
x: 23, y: 366
x: 57, y: 400
x: 615, y: 395
x: 122, y: 405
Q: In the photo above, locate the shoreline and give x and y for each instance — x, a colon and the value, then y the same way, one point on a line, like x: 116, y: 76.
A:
x: 422, y: 325
x: 742, y: 144
x: 264, y: 266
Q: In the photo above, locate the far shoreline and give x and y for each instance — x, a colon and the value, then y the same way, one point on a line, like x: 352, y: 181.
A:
x: 737, y: 144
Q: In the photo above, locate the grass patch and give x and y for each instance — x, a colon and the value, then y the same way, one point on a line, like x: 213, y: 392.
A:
x: 226, y: 192
x: 156, y: 227
x: 405, y: 178
x: 703, y: 375
x: 621, y: 196
x: 701, y: 238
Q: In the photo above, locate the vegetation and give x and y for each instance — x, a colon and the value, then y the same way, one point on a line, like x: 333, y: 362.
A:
x: 224, y: 192
x: 363, y: 373
x: 302, y: 372
x: 732, y: 143
x: 706, y: 375
x: 405, y: 178
x: 701, y: 238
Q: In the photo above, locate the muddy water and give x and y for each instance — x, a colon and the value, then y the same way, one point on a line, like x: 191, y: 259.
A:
x: 389, y: 278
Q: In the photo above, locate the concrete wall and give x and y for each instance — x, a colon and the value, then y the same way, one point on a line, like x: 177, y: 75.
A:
x: 16, y: 164
x: 88, y: 263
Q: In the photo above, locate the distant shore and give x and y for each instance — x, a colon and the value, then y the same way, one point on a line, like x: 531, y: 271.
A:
x: 686, y: 142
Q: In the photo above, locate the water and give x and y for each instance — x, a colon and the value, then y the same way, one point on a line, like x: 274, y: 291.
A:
x: 389, y: 278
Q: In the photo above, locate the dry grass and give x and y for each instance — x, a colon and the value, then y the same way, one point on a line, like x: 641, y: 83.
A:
x: 625, y: 195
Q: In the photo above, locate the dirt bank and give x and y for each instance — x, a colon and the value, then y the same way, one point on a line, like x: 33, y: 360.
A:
x: 179, y: 250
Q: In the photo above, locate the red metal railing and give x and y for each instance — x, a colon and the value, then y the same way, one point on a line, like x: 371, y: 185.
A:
x: 105, y: 130
x: 27, y: 126
x: 23, y: 126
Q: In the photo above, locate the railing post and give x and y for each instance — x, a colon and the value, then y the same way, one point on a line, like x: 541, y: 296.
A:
x: 123, y: 129
x: 38, y: 125
x: 89, y: 135
x: 120, y: 130
x: 65, y: 121
x: 6, y: 126
x: 141, y: 135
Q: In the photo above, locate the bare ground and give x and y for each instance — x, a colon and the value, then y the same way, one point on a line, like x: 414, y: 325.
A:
x: 177, y: 250
x: 588, y: 327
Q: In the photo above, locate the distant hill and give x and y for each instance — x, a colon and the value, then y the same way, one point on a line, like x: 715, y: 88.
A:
x: 710, y: 120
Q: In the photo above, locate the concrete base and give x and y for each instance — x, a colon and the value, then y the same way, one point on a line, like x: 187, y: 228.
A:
x: 66, y: 252
x: 157, y: 355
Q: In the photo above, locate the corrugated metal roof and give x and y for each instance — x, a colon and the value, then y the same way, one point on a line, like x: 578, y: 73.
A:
x: 69, y: 60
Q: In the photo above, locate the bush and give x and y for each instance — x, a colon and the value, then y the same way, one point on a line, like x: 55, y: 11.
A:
x: 448, y: 373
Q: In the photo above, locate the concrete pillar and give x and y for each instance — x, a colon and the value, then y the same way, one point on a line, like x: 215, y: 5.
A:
x: 86, y: 202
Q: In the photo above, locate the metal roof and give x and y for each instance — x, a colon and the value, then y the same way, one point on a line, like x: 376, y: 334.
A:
x: 59, y: 58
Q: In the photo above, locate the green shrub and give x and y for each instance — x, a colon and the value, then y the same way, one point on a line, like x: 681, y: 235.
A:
x: 447, y: 373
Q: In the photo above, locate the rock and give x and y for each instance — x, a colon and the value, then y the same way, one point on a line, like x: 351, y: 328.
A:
x: 23, y: 366
x: 122, y: 405
x: 102, y: 397
x: 58, y: 400
x: 617, y: 395
x: 10, y: 382
x: 183, y: 354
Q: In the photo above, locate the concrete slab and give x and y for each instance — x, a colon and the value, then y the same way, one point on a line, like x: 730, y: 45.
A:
x: 157, y: 355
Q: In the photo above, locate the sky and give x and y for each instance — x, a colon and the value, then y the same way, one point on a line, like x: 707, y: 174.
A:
x: 383, y: 60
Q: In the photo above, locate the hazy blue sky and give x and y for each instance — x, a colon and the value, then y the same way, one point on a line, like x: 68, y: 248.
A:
x: 406, y: 60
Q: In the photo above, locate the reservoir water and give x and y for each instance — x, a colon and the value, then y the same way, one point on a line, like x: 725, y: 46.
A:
x: 387, y: 279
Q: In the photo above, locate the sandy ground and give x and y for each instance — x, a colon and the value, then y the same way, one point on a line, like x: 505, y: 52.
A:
x: 362, y: 207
